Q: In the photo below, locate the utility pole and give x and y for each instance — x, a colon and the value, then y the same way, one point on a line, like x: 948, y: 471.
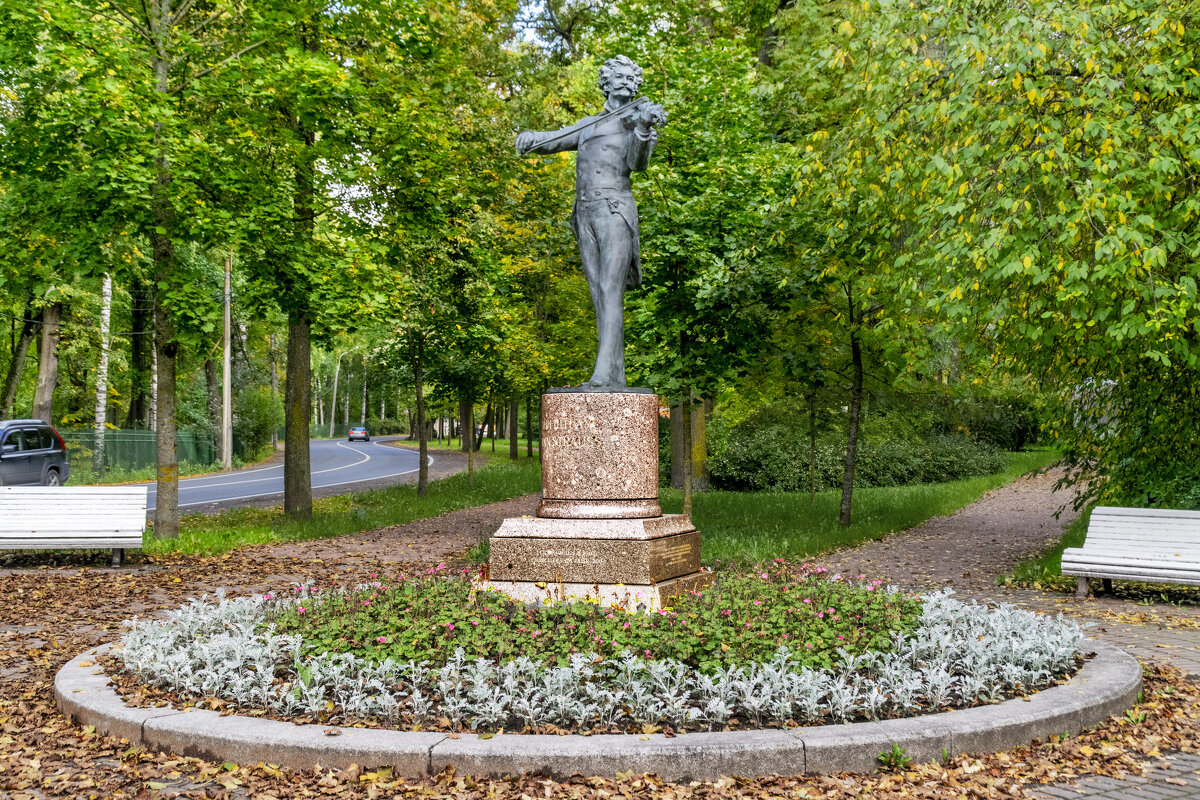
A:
x: 227, y: 378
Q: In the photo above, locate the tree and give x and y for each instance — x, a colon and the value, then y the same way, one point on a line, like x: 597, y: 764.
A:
x: 1041, y: 159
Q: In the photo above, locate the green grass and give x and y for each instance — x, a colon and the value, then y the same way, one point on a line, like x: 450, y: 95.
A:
x: 212, y: 534
x: 755, y: 527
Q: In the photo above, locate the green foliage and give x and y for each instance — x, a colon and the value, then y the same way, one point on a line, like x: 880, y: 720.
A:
x: 895, y: 759
x: 745, y: 618
x: 1030, y: 160
x: 256, y: 415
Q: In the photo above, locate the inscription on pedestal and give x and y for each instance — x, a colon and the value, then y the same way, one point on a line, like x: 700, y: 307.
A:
x: 603, y: 560
x: 599, y: 446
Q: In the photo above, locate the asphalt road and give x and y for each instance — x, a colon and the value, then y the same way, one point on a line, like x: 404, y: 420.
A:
x: 335, y: 462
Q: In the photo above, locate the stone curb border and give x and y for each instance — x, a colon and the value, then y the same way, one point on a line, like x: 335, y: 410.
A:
x: 1108, y: 684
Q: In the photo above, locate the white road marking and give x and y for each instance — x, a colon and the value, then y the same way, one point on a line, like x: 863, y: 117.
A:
x: 323, y: 486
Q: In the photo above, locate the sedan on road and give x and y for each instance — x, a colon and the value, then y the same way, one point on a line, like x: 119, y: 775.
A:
x: 359, y: 433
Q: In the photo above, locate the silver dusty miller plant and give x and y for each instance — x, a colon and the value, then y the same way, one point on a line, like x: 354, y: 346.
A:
x: 959, y: 654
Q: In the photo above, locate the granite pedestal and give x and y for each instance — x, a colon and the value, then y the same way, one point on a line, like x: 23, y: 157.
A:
x: 599, y: 533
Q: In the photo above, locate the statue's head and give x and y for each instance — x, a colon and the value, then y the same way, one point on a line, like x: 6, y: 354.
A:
x: 620, y: 72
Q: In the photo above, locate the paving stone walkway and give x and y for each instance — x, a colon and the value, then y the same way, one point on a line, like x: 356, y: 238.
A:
x: 1173, y: 777
x: 967, y: 550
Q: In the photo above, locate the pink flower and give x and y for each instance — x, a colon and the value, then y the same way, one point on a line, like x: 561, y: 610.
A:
x: 450, y: 626
x: 820, y: 615
x: 626, y: 624
x: 299, y: 609
x: 758, y: 602
x: 475, y: 622
x: 763, y: 576
x: 381, y: 639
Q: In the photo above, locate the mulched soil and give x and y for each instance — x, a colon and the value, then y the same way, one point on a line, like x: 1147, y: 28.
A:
x: 48, y: 616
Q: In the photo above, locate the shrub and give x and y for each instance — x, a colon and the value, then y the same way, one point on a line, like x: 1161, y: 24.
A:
x: 776, y: 458
x: 256, y: 415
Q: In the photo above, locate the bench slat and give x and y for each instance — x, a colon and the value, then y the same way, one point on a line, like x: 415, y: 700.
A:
x: 1105, y: 542
x: 1103, y: 526
x: 1121, y: 511
x: 1191, y: 579
x: 1071, y: 560
x: 74, y: 543
x: 64, y: 533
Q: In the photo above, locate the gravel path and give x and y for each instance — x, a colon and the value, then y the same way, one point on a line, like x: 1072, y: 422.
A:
x: 968, y: 549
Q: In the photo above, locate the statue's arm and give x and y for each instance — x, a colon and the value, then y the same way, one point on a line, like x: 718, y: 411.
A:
x: 546, y: 142
x: 641, y: 148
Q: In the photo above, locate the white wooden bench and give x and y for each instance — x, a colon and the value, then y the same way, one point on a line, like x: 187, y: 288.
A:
x: 1137, y: 544
x: 72, y: 517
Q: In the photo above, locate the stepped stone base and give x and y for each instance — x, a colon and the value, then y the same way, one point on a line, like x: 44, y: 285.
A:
x: 639, y: 597
x: 541, y: 528
x: 630, y: 561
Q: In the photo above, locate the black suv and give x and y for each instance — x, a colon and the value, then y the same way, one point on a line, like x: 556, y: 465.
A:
x: 31, y: 453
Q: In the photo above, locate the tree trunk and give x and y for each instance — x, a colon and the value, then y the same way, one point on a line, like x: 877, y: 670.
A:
x: 699, y: 443
x: 422, y: 433
x: 514, y: 447
x: 812, y: 448
x: 140, y: 344
x: 364, y: 393
x: 166, y: 507
x: 333, y: 399
x: 47, y: 378
x: 492, y: 414
x: 152, y: 404
x: 319, y: 402
x: 686, y: 426
x: 677, y: 455
x: 466, y: 423
x: 274, y: 390
x: 529, y: 425
x: 469, y: 443
x: 297, y: 401
x: 856, y: 395
x: 12, y: 381
x: 227, y: 370
x: 101, y: 415
x: 213, y: 403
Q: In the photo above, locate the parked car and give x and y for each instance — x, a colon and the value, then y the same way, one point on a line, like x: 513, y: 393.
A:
x: 32, y: 453
x: 358, y: 432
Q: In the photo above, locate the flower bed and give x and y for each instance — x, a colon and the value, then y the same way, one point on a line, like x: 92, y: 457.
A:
x: 744, y: 619
x: 327, y: 662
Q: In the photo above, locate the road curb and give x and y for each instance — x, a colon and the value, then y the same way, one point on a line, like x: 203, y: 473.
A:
x: 1108, y: 684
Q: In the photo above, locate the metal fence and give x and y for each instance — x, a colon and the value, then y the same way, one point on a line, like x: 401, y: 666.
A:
x: 135, y: 449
